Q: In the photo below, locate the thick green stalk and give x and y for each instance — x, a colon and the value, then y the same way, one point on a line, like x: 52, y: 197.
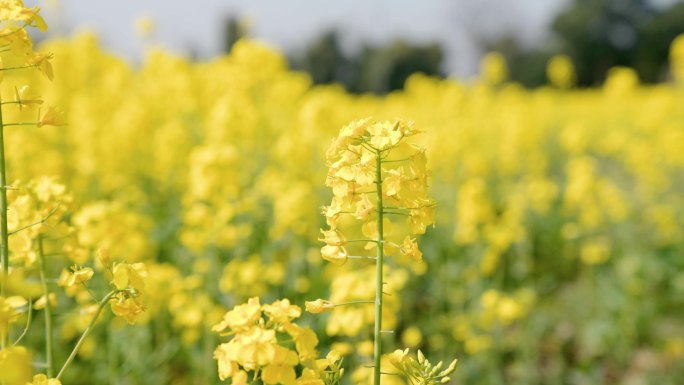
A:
x: 4, y: 237
x: 102, y: 305
x: 48, y: 310
x: 377, y: 354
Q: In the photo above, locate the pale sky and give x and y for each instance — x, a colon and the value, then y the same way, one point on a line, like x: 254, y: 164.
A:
x: 196, y: 26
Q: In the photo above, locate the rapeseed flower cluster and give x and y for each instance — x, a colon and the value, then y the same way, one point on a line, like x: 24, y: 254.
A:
x: 266, y: 342
x: 365, y: 154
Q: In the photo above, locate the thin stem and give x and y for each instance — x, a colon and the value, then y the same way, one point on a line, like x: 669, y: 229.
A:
x: 22, y: 124
x: 101, y: 306
x: 89, y: 291
x: 23, y: 102
x: 14, y: 31
x: 19, y: 67
x: 377, y: 353
x: 36, y: 223
x: 396, y: 213
x: 4, y: 237
x: 29, y: 317
x: 48, y: 310
x: 352, y: 303
x: 360, y: 257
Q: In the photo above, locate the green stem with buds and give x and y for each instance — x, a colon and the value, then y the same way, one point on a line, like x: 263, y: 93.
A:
x: 48, y: 310
x: 4, y: 246
x: 377, y: 351
x: 101, y: 306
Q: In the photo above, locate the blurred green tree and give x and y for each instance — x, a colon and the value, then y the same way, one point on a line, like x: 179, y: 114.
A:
x: 598, y: 35
x: 376, y: 69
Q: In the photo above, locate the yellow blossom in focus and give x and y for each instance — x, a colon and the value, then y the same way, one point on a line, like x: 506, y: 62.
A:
x: 242, y: 317
x: 127, y: 308
x: 130, y: 275
x: 282, y: 311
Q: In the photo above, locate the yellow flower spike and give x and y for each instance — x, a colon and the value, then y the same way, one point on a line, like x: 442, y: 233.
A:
x: 79, y: 276
x: 319, y: 306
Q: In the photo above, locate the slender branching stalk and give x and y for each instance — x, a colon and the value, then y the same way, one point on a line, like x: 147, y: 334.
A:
x: 29, y: 318
x: 377, y: 351
x: 100, y: 307
x: 49, y: 350
x: 4, y: 234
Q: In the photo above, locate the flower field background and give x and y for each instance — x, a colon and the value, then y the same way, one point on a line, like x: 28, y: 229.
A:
x: 556, y: 257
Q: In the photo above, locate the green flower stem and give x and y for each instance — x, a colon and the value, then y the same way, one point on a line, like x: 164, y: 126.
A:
x: 377, y: 351
x: 19, y: 67
x: 101, y: 306
x: 4, y: 234
x: 22, y: 102
x: 352, y: 303
x: 36, y: 223
x: 48, y: 310
x: 12, y: 32
x: 29, y: 318
x: 23, y: 124
x: 360, y: 257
